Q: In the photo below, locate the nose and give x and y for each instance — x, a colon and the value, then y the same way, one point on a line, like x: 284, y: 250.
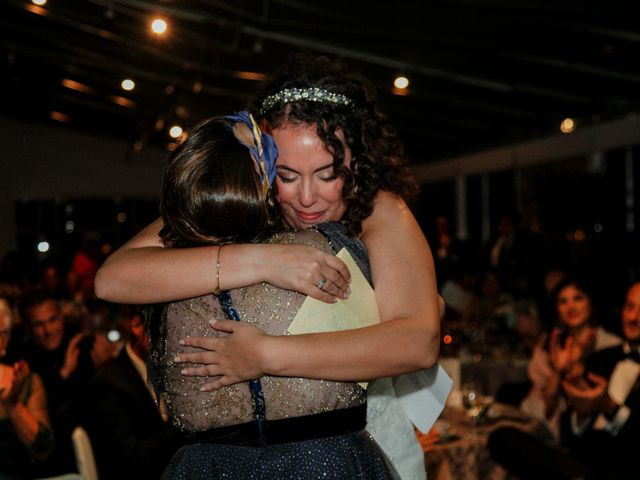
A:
x: 308, y: 194
x: 48, y: 329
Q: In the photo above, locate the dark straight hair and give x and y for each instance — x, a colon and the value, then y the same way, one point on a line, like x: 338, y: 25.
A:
x: 210, y: 190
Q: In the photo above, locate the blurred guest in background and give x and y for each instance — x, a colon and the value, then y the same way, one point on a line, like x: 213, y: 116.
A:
x: 496, y: 308
x: 562, y: 352
x: 65, y: 359
x: 603, y: 417
x: 52, y: 281
x: 517, y: 255
x: 128, y: 428
x: 25, y: 435
x: 450, y: 254
x: 84, y: 266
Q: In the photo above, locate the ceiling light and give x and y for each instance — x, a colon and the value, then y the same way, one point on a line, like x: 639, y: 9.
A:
x: 158, y: 26
x: 401, y: 82
x: 128, y: 84
x: 39, y: 2
x: 567, y: 125
x: 175, y: 131
x: 59, y: 116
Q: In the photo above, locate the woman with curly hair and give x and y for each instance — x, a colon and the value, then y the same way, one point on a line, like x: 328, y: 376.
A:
x: 339, y: 161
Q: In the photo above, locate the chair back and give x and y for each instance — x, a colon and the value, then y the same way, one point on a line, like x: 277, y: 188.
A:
x: 85, y: 462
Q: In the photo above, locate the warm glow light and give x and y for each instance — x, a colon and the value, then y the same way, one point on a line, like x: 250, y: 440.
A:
x: 401, y: 82
x: 158, y: 26
x: 43, y: 247
x: 59, y: 116
x: 567, y: 125
x: 121, y: 217
x: 128, y: 84
x: 39, y: 2
x: 175, y: 131
x: 256, y: 76
x: 77, y: 86
x: 36, y: 9
x: 447, y: 339
x: 123, y: 102
x: 400, y: 91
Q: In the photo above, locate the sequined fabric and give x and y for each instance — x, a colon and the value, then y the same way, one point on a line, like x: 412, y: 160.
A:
x: 268, y: 308
x: 351, y: 456
x: 345, y: 457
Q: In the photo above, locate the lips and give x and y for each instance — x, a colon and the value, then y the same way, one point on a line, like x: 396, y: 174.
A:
x: 309, y: 217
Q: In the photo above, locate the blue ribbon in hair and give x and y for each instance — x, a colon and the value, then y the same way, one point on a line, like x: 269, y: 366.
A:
x: 263, y: 147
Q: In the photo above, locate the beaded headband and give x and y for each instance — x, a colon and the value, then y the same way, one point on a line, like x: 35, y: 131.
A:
x: 261, y: 145
x: 313, y: 94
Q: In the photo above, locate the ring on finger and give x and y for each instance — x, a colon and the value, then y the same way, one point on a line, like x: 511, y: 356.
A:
x: 322, y: 283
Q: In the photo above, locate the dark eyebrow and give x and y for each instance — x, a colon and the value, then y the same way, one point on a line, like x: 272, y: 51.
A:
x: 289, y: 169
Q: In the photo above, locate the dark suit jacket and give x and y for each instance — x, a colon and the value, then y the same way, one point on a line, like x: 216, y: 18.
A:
x: 64, y: 397
x: 601, y: 450
x: 127, y: 434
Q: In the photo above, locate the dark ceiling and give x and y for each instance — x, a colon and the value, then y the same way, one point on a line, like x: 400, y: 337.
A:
x: 484, y: 73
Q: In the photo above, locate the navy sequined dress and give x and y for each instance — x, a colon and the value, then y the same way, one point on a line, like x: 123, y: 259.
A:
x: 314, y: 428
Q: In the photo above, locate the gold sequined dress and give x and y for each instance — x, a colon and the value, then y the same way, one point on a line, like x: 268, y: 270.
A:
x: 271, y: 309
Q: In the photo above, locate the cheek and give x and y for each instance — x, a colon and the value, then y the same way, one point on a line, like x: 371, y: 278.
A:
x: 332, y: 193
x: 285, y: 194
x: 585, y: 306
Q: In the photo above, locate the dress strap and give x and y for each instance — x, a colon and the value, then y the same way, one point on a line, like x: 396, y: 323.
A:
x: 259, y: 409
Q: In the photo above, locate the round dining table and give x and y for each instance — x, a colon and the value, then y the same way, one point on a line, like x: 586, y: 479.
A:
x: 456, y: 448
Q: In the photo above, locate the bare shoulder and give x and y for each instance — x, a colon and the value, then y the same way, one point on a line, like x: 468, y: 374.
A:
x: 390, y: 215
x: 387, y: 203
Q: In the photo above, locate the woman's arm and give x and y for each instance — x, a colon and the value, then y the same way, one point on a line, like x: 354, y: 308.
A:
x: 405, y: 341
x: 143, y: 271
x: 25, y: 418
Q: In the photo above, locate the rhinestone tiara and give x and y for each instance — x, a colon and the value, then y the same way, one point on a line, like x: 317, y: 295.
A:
x: 313, y: 94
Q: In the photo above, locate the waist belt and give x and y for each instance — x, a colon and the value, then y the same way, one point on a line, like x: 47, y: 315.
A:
x: 295, y: 429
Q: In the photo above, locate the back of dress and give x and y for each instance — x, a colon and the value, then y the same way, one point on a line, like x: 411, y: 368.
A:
x: 267, y: 307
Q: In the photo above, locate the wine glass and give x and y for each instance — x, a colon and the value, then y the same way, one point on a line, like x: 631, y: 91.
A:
x: 472, y: 401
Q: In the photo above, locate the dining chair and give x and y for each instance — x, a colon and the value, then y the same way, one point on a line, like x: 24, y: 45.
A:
x: 85, y: 461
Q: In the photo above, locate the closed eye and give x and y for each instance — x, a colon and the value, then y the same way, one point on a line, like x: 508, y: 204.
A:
x: 330, y: 178
x: 285, y: 179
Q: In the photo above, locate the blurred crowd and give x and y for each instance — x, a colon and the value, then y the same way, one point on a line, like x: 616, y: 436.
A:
x: 69, y: 360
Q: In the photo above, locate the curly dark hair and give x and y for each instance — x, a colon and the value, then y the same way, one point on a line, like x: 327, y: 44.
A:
x: 377, y: 161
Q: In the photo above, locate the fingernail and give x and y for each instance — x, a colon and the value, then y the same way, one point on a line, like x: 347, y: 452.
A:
x: 184, y: 371
x: 176, y: 359
x: 203, y: 389
x: 213, y: 322
x: 349, y: 291
x: 181, y: 342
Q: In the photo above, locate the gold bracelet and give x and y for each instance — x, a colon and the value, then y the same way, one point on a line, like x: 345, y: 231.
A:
x: 216, y: 292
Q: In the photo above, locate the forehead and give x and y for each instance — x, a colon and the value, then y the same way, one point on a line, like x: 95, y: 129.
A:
x: 44, y: 311
x: 633, y: 295
x: 299, y: 144
x: 570, y: 289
